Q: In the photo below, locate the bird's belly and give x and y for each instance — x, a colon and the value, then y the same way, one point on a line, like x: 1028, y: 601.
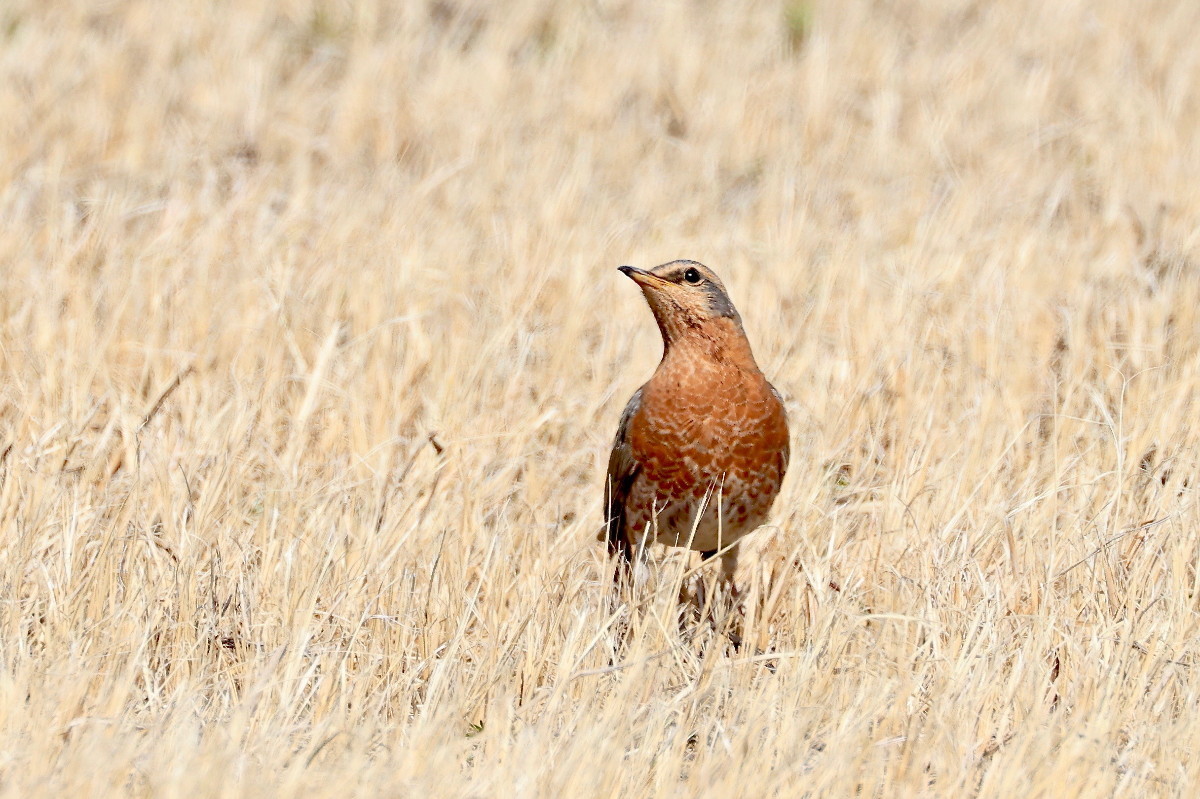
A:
x: 704, y: 513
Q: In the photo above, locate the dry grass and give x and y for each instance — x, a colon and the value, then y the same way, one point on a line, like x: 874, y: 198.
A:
x: 255, y: 254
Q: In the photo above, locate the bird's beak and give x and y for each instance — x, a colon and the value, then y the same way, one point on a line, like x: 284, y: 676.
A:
x: 641, y: 276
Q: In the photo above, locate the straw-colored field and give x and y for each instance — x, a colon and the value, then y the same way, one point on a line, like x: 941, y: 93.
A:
x: 312, y: 347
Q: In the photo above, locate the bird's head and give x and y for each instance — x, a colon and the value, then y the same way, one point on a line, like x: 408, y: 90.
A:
x: 687, y: 298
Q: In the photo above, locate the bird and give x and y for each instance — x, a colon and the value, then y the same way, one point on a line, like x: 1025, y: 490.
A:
x: 702, y: 447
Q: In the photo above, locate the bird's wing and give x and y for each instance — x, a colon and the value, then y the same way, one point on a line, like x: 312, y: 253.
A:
x: 623, y: 469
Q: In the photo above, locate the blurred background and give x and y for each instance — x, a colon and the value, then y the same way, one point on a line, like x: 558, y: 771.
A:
x: 312, y: 347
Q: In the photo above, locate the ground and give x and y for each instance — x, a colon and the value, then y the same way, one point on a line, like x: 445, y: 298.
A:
x: 312, y: 345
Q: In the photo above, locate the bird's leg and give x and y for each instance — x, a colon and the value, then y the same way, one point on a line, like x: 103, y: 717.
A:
x: 727, y: 588
x: 692, y: 598
x: 729, y: 564
x: 622, y: 555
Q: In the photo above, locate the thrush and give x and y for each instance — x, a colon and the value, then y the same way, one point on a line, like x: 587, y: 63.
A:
x: 702, y: 447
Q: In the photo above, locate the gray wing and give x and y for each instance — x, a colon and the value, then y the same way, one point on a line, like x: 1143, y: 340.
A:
x: 622, y: 471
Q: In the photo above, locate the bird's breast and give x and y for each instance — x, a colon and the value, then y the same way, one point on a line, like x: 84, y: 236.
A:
x: 697, y: 427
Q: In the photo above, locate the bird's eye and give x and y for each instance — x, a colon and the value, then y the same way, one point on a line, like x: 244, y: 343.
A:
x: 692, y: 275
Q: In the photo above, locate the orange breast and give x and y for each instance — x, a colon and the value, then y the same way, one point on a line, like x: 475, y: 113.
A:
x: 704, y: 422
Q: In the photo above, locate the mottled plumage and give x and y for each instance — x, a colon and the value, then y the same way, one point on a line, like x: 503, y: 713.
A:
x: 706, y: 433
